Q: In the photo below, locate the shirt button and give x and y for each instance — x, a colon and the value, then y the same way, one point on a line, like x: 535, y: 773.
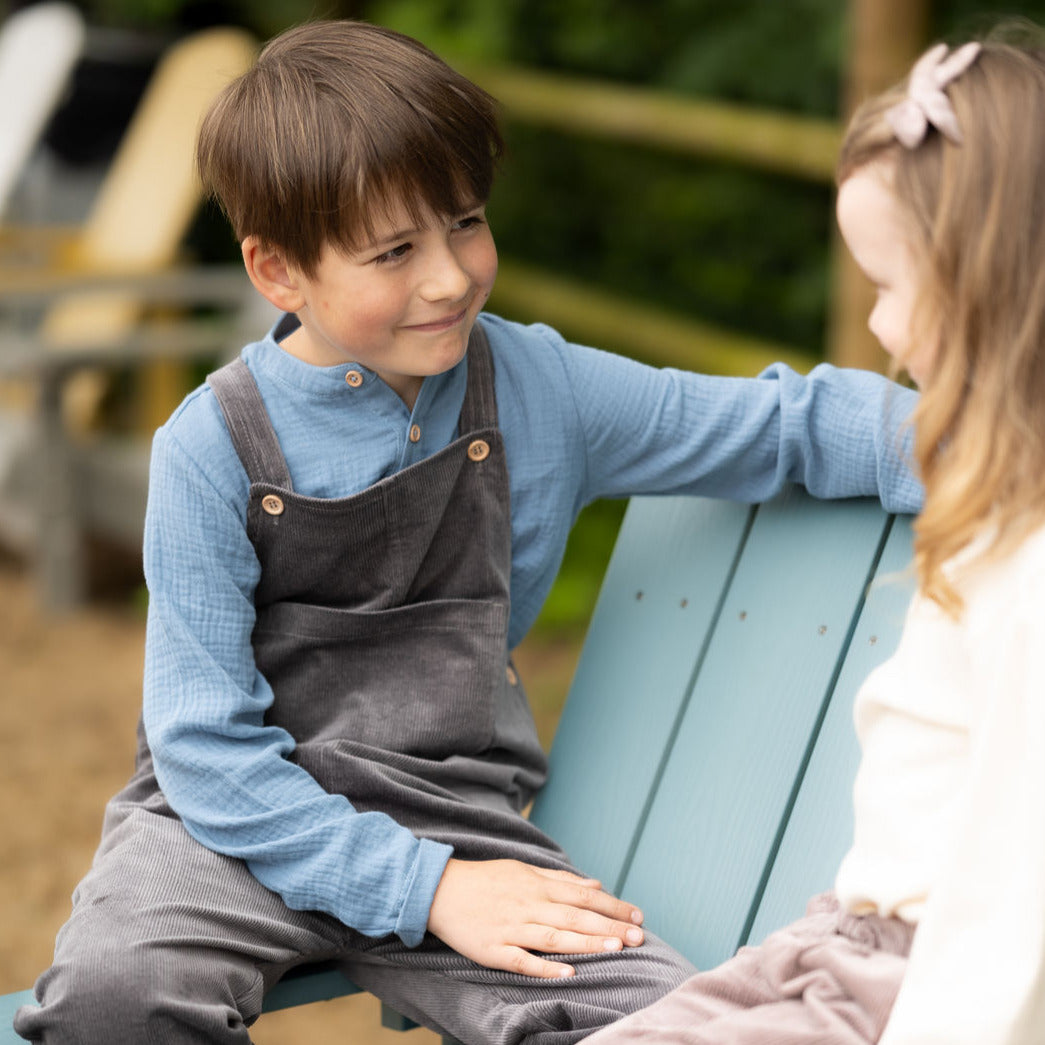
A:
x: 479, y: 450
x: 415, y: 433
x: 272, y: 504
x: 509, y: 674
x: 353, y: 378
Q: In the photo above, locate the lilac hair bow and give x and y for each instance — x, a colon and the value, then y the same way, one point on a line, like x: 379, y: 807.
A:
x: 926, y: 102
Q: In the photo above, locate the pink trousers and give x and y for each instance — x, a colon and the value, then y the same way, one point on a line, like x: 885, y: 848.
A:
x: 828, y: 979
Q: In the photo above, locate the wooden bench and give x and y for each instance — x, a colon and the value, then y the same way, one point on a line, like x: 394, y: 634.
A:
x: 703, y: 764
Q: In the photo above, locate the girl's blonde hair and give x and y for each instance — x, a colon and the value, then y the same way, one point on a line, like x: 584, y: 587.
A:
x: 977, y: 219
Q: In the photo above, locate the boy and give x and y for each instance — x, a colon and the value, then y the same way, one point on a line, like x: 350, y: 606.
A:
x: 348, y: 530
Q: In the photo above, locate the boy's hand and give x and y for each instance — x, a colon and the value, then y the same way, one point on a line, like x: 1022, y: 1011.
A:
x: 497, y: 911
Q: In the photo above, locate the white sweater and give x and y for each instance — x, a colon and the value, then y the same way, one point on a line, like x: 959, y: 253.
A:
x: 950, y: 809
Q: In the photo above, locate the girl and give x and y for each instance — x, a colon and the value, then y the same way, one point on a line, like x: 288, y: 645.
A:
x: 935, y: 932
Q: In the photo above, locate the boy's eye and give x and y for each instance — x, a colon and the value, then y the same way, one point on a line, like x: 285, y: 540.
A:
x: 469, y: 222
x: 394, y: 254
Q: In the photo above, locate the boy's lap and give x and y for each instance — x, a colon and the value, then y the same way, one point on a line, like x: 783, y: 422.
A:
x: 433, y: 984
x: 152, y: 882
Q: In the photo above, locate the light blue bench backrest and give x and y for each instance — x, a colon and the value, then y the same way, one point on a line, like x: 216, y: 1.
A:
x: 704, y: 762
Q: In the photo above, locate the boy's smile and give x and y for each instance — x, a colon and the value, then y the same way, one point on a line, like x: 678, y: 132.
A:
x: 402, y: 306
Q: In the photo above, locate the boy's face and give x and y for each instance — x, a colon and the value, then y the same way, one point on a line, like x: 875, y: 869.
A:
x: 404, y: 305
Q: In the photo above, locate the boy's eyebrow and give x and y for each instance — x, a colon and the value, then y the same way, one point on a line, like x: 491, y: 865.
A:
x: 381, y: 241
x: 384, y: 240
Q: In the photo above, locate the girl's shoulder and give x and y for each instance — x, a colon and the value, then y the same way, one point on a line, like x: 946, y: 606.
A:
x: 1010, y: 583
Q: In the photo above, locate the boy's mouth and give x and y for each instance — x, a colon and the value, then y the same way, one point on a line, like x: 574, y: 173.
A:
x: 436, y: 325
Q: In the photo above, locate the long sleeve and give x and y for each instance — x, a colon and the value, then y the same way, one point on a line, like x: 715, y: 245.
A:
x: 977, y: 966
x: 836, y: 432
x: 221, y: 767
x: 580, y: 424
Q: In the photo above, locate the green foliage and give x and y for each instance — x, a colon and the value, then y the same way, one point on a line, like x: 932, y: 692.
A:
x: 709, y: 239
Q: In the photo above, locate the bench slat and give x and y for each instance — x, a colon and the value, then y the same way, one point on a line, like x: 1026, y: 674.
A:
x: 633, y: 675
x: 785, y: 623
x: 821, y: 825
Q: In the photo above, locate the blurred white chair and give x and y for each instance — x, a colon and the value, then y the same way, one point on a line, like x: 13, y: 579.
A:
x: 39, y: 46
x: 112, y: 295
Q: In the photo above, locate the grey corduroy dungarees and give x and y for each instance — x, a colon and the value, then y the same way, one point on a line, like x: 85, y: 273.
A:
x: 382, y: 623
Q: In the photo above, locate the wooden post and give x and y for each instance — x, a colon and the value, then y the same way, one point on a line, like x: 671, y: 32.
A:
x: 884, y: 38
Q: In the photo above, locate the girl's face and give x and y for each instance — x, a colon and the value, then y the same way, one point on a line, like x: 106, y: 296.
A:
x: 876, y: 234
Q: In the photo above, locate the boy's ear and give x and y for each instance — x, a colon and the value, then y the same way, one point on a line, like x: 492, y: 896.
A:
x: 274, y: 279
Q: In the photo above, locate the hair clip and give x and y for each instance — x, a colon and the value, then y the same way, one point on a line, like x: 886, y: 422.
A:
x: 926, y: 102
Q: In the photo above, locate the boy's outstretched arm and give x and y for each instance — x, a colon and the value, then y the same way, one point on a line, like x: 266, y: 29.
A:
x: 497, y: 912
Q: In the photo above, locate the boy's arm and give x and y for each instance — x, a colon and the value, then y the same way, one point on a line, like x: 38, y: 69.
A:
x: 839, y: 433
x: 221, y: 768
x: 227, y: 776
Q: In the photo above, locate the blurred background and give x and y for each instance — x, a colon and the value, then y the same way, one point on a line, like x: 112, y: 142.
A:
x: 667, y: 194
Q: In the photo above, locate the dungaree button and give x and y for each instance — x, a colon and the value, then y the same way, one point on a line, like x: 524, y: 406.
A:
x: 415, y: 433
x: 479, y: 450
x: 353, y: 378
x: 272, y: 504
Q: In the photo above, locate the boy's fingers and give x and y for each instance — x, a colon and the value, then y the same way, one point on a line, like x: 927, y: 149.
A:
x: 568, y: 876
x: 526, y: 964
x: 589, y: 899
x: 589, y: 924
x: 549, y: 940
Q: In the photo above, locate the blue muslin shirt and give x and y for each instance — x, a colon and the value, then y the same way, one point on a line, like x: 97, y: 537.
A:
x: 578, y: 424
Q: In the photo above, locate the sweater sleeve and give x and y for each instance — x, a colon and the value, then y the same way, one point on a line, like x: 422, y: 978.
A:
x: 977, y: 966
x: 221, y: 768
x: 839, y: 433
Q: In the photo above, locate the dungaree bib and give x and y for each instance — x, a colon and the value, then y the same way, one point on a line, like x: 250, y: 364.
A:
x: 382, y: 627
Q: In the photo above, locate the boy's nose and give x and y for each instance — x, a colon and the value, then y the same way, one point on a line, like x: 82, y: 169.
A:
x: 446, y: 279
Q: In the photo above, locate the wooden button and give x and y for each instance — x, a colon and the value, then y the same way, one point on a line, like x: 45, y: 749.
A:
x: 272, y: 504
x: 479, y: 450
x: 415, y: 433
x: 354, y: 378
x: 513, y: 679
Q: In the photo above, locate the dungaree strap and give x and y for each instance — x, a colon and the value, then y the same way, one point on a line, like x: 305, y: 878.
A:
x: 480, y: 404
x: 249, y: 426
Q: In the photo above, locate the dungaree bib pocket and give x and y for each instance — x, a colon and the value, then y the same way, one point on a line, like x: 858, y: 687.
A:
x: 415, y: 679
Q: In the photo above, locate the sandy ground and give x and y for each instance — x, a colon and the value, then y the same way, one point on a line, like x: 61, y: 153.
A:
x: 71, y: 693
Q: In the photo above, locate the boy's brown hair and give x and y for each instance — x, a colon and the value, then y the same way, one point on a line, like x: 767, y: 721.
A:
x: 337, y: 122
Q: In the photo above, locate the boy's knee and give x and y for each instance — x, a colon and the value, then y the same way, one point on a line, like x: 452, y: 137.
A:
x: 138, y: 995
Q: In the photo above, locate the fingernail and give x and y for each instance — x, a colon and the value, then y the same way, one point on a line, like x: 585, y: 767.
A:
x: 633, y: 936
x: 611, y: 943
x: 636, y: 917
x: 565, y: 972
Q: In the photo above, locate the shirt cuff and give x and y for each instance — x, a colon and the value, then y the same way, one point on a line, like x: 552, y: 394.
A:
x: 419, y: 891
